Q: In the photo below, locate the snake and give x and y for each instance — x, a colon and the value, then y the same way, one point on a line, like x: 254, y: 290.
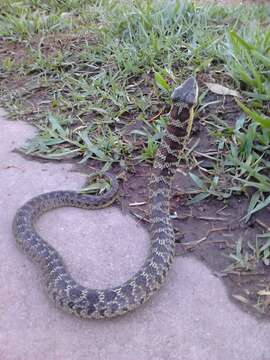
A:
x: 89, y: 303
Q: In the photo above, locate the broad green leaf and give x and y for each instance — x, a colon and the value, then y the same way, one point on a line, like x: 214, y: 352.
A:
x: 56, y: 125
x: 264, y: 59
x: 266, y: 245
x: 252, y: 204
x: 198, y: 198
x: 60, y: 154
x: 243, y: 75
x: 161, y: 82
x: 236, y: 40
x: 238, y: 247
x: 197, y: 181
x: 262, y: 120
x: 98, y: 110
x: 261, y: 205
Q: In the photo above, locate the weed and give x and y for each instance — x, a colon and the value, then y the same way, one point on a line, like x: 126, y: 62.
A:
x: 243, y: 260
x: 247, y: 257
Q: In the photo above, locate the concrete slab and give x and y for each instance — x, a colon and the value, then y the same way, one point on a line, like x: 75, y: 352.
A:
x: 191, y: 318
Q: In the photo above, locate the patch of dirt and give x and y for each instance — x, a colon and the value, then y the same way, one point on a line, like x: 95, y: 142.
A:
x: 211, y: 231
x: 55, y: 42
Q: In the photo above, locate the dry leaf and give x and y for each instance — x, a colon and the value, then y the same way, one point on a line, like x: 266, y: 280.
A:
x: 240, y: 298
x: 264, y: 293
x: 221, y: 90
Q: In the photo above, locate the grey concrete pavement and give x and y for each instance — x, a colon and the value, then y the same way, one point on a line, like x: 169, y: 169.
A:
x: 190, y: 318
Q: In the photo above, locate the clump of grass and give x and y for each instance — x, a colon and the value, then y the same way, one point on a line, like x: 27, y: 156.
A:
x: 249, y: 63
x: 22, y: 21
x: 243, y: 260
x: 241, y: 163
x: 56, y: 141
x: 247, y: 256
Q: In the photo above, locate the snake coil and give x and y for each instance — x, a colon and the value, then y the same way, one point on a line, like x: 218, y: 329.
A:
x: 107, y: 303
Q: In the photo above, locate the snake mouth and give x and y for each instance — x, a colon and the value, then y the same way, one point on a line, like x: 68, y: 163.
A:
x: 187, y: 92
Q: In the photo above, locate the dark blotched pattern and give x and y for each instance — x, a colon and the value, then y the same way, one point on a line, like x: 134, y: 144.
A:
x: 91, y: 303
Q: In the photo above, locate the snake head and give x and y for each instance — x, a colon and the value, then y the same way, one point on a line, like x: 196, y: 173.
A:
x: 187, y: 92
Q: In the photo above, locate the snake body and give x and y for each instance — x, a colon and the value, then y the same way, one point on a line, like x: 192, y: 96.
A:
x: 107, y: 303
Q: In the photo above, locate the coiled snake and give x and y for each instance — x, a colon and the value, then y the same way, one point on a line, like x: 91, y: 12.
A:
x: 107, y: 303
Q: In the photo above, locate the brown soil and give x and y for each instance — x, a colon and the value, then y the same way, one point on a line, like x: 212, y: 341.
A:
x: 209, y: 230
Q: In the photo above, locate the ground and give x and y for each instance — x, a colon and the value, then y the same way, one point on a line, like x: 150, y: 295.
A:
x: 191, y: 317
x: 95, y: 107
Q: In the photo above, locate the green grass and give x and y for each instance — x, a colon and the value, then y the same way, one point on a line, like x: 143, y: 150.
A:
x: 94, y: 78
x: 246, y: 258
x: 241, y: 162
x: 104, y: 67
